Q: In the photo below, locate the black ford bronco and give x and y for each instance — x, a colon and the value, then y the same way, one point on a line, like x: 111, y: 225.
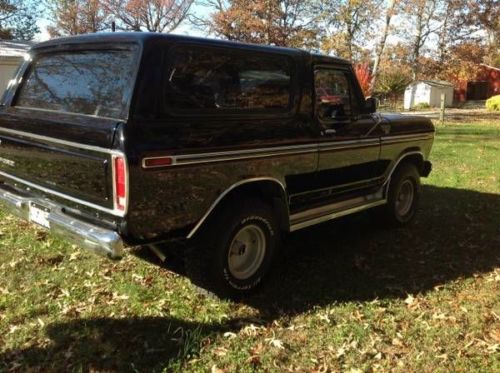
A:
x: 128, y: 139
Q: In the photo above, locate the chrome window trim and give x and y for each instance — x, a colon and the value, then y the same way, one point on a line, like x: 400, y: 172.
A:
x: 93, y: 148
x: 223, y: 194
x: 19, y: 107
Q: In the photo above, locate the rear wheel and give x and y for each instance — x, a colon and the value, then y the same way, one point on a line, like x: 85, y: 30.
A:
x: 234, y: 252
x: 402, y: 198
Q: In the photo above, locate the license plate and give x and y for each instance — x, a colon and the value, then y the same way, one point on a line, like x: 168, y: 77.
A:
x: 39, y: 215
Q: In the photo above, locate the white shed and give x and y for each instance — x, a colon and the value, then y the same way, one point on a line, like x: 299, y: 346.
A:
x: 11, y: 55
x: 428, y: 92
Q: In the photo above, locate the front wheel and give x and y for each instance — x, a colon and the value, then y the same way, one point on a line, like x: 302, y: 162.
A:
x: 234, y: 252
x: 402, y: 198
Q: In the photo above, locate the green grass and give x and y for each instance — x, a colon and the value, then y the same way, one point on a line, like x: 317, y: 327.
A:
x: 346, y: 296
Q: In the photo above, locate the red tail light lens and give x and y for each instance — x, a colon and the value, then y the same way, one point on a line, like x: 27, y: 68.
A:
x: 120, y: 183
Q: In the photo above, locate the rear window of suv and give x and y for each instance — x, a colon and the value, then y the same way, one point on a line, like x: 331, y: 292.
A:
x: 97, y: 82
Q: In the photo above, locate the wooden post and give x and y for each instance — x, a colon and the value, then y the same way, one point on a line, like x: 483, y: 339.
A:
x: 441, y: 114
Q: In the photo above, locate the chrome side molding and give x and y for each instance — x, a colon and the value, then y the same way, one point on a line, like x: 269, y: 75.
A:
x: 336, y: 210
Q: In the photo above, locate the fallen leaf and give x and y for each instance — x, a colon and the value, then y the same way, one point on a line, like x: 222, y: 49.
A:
x: 277, y: 343
x: 409, y: 300
x: 216, y: 370
x: 397, y: 342
x: 220, y: 351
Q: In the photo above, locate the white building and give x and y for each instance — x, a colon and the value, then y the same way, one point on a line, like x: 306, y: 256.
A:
x: 428, y: 92
x: 11, y: 55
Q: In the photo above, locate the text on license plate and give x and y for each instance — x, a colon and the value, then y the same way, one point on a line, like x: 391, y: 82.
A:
x: 39, y: 215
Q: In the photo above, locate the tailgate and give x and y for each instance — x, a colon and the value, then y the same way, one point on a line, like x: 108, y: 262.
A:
x: 58, y: 166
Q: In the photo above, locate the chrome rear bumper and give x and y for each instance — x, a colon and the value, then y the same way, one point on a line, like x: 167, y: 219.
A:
x: 92, y: 237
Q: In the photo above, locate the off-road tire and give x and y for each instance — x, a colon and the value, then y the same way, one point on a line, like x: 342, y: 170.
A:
x: 207, y: 257
x: 392, y: 214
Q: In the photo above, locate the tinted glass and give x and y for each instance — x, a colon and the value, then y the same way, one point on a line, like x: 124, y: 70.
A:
x: 333, y: 95
x: 226, y: 80
x: 91, y: 82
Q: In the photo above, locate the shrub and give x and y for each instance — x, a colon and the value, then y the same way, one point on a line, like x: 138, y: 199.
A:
x: 364, y: 78
x: 493, y: 103
x: 392, y: 83
x: 422, y: 105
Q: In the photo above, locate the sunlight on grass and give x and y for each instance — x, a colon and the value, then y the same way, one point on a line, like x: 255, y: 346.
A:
x: 347, y: 295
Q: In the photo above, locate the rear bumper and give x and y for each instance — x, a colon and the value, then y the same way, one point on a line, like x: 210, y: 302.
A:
x: 100, y: 240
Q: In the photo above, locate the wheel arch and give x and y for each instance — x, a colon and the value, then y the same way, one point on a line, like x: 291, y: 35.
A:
x: 412, y: 156
x: 272, y: 191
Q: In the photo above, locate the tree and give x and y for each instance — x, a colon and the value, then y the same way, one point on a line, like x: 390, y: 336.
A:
x: 420, y: 15
x: 18, y: 19
x: 289, y: 23
x: 390, y: 11
x: 148, y: 15
x: 72, y: 17
x: 350, y: 23
x: 393, y: 82
x: 463, y: 61
x: 485, y: 15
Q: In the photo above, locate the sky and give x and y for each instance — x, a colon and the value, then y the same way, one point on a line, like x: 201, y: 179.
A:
x: 184, y: 29
x: 187, y: 29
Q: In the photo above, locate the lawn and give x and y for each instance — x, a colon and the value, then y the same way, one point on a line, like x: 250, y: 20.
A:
x: 347, y: 295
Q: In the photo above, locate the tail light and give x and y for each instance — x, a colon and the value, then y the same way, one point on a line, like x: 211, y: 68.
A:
x: 120, y: 183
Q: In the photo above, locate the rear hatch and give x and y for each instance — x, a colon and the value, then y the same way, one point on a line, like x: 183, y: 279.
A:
x: 57, y: 130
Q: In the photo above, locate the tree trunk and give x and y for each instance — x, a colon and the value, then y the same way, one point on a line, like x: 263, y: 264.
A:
x: 417, y: 43
x: 381, y: 44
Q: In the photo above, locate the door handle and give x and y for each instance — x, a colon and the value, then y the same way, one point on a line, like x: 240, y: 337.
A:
x: 329, y: 132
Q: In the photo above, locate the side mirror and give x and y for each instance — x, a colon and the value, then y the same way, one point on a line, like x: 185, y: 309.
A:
x: 371, y: 105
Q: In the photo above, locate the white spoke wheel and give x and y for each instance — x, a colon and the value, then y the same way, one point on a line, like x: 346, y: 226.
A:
x: 246, y: 252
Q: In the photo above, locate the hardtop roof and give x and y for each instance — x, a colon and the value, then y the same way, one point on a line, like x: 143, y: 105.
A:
x: 145, y: 37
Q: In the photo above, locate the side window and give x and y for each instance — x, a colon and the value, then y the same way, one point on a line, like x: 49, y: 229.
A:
x: 88, y: 82
x: 334, y: 96
x: 216, y: 80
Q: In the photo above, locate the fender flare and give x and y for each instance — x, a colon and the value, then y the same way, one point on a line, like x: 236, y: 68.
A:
x: 227, y: 191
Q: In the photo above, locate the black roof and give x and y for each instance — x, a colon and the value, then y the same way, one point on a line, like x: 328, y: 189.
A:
x: 144, y: 37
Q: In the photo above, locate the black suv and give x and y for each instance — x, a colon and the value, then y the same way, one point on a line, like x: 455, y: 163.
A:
x: 129, y: 139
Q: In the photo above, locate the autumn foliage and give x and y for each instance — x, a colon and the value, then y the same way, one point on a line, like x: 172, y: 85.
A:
x: 285, y: 23
x: 364, y: 77
x: 72, y: 17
